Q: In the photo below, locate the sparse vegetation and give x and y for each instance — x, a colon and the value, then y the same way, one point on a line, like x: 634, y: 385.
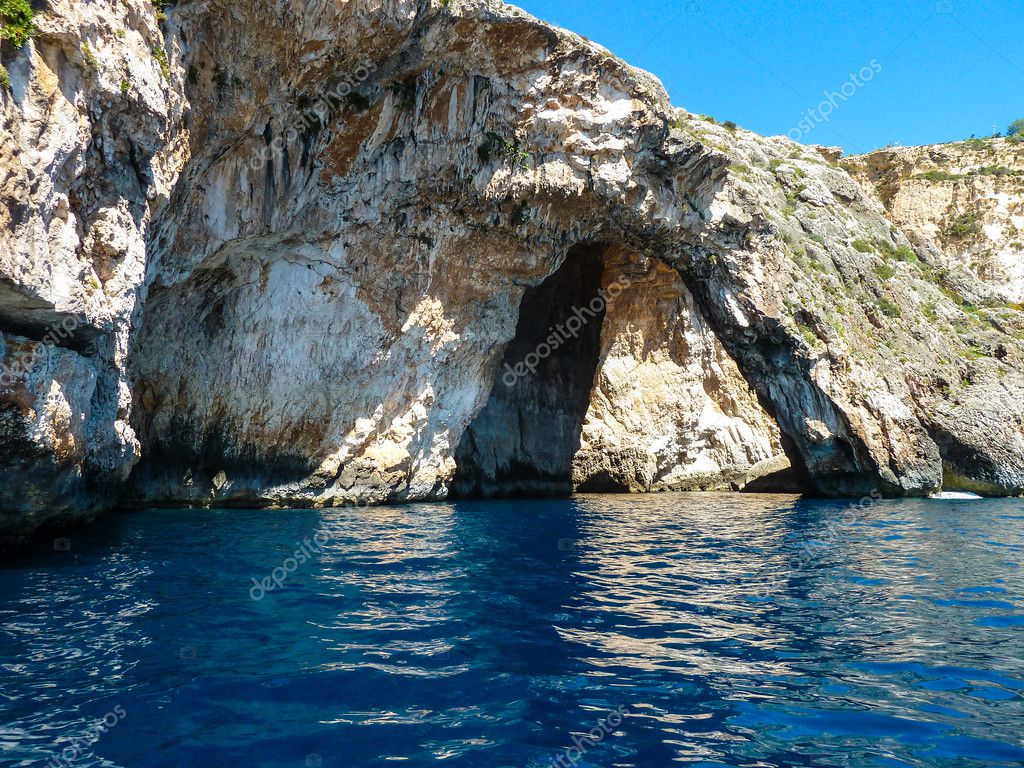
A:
x: 889, y: 308
x: 995, y: 170
x: 905, y: 253
x: 886, y: 248
x: 885, y: 270
x: 931, y: 274
x: 125, y: 86
x: 974, y: 352
x: 495, y: 147
x: 5, y: 78
x: 937, y: 175
x: 952, y: 295
x: 161, y: 59
x: 809, y: 336
x: 1016, y: 128
x: 92, y: 64
x: 964, y: 226
x: 863, y: 246
x: 740, y: 170
x: 16, y: 19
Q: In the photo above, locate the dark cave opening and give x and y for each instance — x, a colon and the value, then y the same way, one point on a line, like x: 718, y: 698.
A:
x: 523, y: 442
x: 534, y: 437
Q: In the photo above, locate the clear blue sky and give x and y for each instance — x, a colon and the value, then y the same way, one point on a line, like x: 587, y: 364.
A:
x: 948, y: 68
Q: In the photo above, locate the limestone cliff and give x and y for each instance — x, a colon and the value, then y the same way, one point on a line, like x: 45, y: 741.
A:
x: 965, y: 199
x: 304, y: 243
x: 87, y: 155
x: 668, y: 410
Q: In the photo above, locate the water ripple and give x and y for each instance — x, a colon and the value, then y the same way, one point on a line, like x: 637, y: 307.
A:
x: 731, y: 631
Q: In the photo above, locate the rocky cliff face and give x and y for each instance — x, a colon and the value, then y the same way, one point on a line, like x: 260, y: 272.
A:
x: 87, y: 155
x: 668, y: 409
x: 304, y: 244
x: 964, y: 200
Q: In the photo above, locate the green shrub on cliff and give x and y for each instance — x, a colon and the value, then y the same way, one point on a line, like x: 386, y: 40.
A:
x: 1016, y: 128
x: 937, y: 175
x: 495, y: 147
x: 160, y: 55
x: 16, y: 20
x: 964, y: 226
x: 92, y: 64
x: 904, y: 253
x: 885, y: 270
x: 995, y: 170
x: 889, y: 308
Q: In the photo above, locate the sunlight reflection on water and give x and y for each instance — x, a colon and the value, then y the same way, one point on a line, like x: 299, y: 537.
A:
x: 492, y: 633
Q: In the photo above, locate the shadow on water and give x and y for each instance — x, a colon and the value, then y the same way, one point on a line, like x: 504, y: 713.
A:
x: 732, y: 630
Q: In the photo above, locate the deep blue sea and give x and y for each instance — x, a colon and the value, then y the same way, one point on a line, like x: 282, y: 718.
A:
x: 702, y: 630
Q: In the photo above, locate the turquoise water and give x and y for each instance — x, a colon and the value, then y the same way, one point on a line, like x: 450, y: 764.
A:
x: 604, y: 631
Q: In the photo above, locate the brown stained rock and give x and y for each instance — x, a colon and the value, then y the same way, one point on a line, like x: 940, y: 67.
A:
x: 338, y: 158
x: 517, y: 46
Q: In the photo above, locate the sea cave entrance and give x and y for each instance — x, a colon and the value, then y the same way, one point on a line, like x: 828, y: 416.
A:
x: 524, y: 440
x: 615, y: 382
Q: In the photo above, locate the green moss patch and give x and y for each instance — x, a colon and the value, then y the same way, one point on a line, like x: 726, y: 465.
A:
x: 16, y: 19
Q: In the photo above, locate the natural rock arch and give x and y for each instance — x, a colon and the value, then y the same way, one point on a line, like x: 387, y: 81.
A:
x: 615, y: 383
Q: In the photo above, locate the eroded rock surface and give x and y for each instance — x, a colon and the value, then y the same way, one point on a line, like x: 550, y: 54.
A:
x: 615, y: 383
x: 669, y: 410
x: 86, y: 156
x: 360, y: 195
x: 525, y: 439
x: 965, y: 198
